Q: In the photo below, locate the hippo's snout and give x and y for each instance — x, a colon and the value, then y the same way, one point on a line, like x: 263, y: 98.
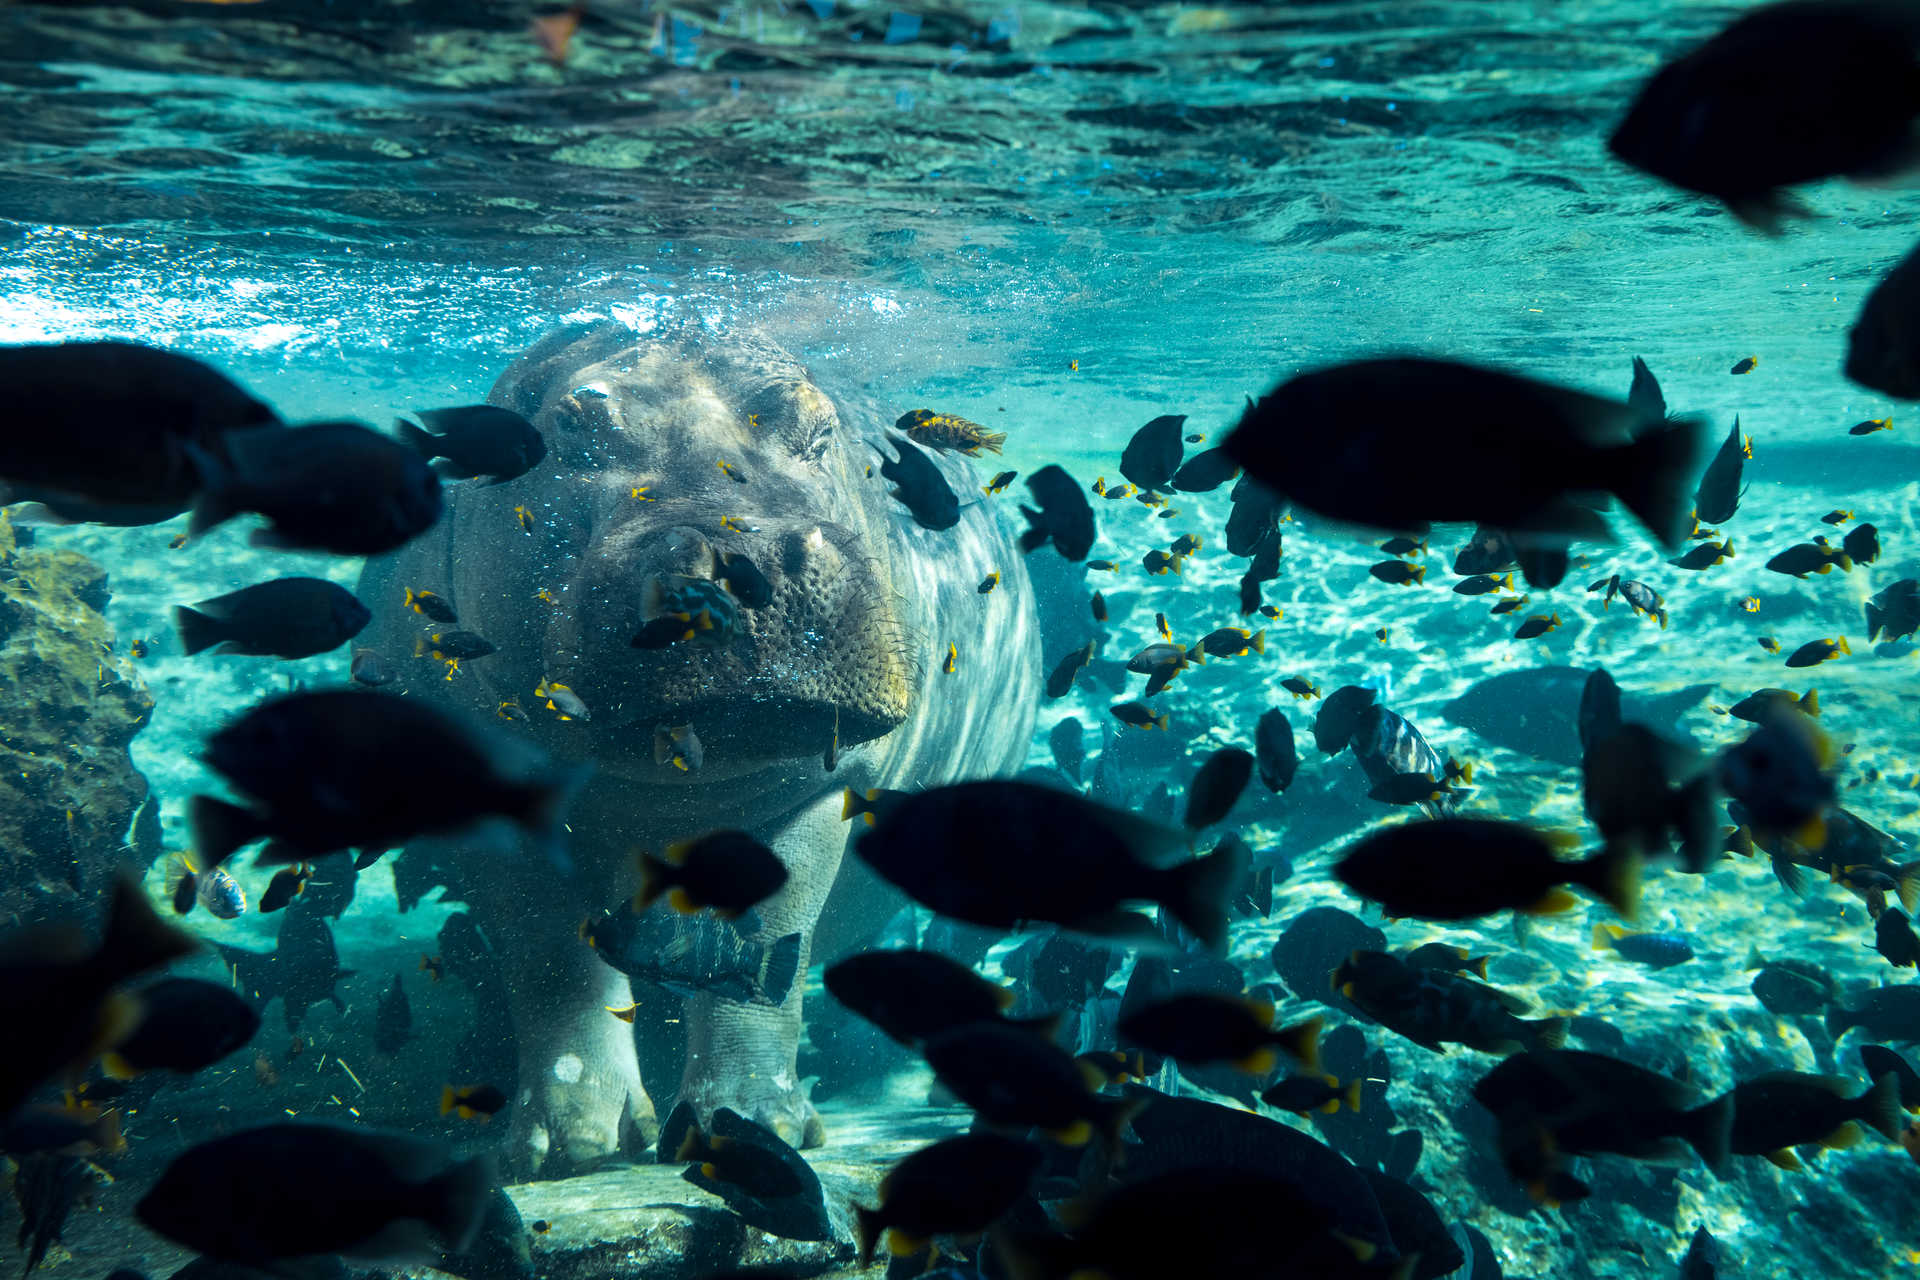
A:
x: 821, y: 653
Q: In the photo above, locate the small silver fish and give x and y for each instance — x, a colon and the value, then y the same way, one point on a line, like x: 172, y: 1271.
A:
x: 215, y: 890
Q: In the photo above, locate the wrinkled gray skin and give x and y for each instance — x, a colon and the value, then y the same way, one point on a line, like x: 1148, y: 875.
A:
x: 864, y: 605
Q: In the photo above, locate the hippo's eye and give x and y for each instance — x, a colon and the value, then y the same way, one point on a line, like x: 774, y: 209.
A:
x: 794, y: 413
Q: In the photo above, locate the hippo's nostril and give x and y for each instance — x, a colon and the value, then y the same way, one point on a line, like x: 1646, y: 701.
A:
x: 796, y: 548
x: 685, y: 552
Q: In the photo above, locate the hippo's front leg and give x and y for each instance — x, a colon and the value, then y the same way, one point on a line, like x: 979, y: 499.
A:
x: 742, y: 1055
x: 580, y: 1100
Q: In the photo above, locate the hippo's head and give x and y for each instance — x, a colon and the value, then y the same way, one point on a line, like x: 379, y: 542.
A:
x: 634, y: 504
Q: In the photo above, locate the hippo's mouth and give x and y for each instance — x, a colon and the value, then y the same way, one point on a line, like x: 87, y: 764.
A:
x: 738, y: 734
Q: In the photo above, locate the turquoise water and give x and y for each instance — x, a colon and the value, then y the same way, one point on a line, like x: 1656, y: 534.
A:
x: 1059, y: 221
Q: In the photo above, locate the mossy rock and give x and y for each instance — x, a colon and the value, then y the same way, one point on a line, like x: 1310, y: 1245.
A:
x: 69, y: 791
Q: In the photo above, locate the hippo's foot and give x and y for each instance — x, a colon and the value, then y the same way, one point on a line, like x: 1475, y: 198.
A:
x: 578, y: 1111
x: 581, y: 1102
x: 777, y: 1100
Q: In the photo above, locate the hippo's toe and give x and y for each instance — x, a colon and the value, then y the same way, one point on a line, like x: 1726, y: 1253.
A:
x: 779, y: 1103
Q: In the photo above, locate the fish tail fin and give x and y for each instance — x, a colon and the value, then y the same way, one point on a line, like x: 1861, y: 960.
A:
x: 1709, y: 1130
x: 1614, y: 874
x: 218, y: 828
x: 447, y: 1100
x: 136, y: 938
x: 1477, y: 967
x: 778, y: 970
x: 867, y: 1226
x: 198, y: 632
x: 1604, y: 934
x: 992, y: 440
x: 1549, y: 1033
x: 1198, y: 891
x: 1259, y: 640
x: 456, y: 1202
x: 420, y: 441
x: 1906, y: 885
x: 1880, y: 1107
x: 1302, y: 1040
x: 1656, y: 476
x: 656, y: 877
x: 1350, y: 1096
x: 216, y: 502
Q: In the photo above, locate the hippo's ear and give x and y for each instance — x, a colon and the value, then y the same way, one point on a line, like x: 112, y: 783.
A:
x: 558, y: 357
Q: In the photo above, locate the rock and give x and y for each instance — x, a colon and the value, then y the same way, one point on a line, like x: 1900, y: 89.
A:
x: 69, y: 792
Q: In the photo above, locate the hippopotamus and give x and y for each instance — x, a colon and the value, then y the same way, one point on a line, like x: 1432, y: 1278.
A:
x: 838, y: 678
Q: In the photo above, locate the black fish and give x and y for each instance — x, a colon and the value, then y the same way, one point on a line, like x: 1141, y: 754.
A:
x: 695, y: 953
x: 371, y: 670
x: 1065, y: 517
x: 303, y: 968
x: 1253, y: 519
x: 48, y: 1186
x: 1645, y: 393
x: 1206, y: 470
x: 1273, y: 750
x: 1217, y: 786
x: 1787, y: 94
x: 1489, y: 551
x: 1067, y: 741
x: 332, y: 486
x: 1012, y: 1077
x: 1435, y: 1008
x: 285, y: 618
x: 1881, y: 1061
x: 186, y: 1025
x: 1209, y: 1221
x: 914, y: 995
x: 960, y: 1186
x: 761, y: 1178
x: 1718, y: 496
x: 749, y: 586
x: 1313, y: 944
x: 1200, y: 1027
x: 1644, y: 791
x: 1893, y: 937
x: 475, y: 440
x: 57, y: 985
x: 1354, y: 442
x: 1781, y: 1110
x: 1537, y: 711
x: 386, y: 1195
x: 1894, y: 611
x: 101, y: 430
x: 728, y: 872
x: 1862, y: 543
x: 1060, y: 679
x: 1885, y: 1013
x: 1702, y: 1258
x: 343, y: 768
x: 919, y: 486
x: 1882, y: 351
x: 1343, y: 714
x: 998, y: 853
x: 1153, y: 454
x: 472, y: 1101
x: 393, y: 1019
x: 1567, y: 1102
x: 1461, y: 868
x: 1791, y: 988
